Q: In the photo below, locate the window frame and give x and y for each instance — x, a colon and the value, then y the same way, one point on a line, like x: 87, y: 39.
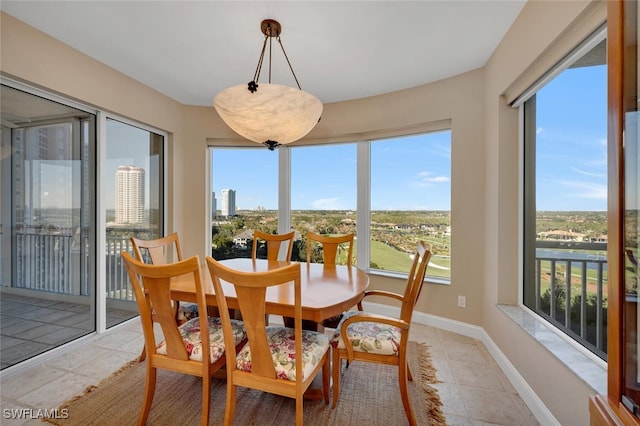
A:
x: 95, y: 217
x: 363, y: 193
x: 527, y: 193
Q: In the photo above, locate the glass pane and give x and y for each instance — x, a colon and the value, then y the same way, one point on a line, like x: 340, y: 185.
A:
x: 631, y: 218
x: 631, y: 276
x: 134, y: 198
x: 566, y: 201
x: 411, y: 201
x: 245, y: 197
x: 323, y: 193
x: 45, y: 272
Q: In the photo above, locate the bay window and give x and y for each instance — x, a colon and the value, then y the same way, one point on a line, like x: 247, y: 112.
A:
x: 389, y: 192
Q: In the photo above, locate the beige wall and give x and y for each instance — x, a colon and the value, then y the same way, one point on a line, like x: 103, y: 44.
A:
x: 539, y: 27
x: 484, y: 168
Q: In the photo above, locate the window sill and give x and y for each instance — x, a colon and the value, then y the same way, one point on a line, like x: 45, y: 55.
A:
x: 591, y: 369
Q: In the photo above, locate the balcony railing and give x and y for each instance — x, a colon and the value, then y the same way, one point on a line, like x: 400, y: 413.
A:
x: 55, y: 263
x: 570, y: 284
x: 571, y: 290
x: 50, y: 263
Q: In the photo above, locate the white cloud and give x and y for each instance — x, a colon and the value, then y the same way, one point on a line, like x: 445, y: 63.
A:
x: 592, y: 191
x: 327, y: 204
x: 427, y: 179
x: 583, y: 172
x: 436, y: 179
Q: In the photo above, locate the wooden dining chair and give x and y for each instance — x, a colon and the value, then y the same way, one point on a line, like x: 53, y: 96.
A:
x: 158, y: 251
x: 161, y: 251
x: 367, y: 337
x: 196, y: 347
x: 274, y: 245
x: 331, y: 246
x: 277, y: 359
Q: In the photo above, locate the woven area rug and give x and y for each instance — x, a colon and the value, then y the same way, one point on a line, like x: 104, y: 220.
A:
x: 369, y: 395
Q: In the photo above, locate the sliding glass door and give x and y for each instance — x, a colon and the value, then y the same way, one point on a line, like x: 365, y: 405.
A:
x: 133, y: 195
x: 56, y: 283
x: 47, y: 283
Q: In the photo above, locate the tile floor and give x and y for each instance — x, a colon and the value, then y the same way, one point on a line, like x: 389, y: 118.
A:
x: 31, y: 325
x: 472, y: 388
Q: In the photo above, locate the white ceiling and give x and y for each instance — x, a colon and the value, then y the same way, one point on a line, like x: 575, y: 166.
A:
x: 339, y: 50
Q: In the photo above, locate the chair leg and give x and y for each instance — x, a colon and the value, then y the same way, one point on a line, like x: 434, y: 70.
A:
x: 299, y: 410
x: 206, y: 401
x: 230, y: 410
x: 404, y: 392
x: 149, y: 390
x: 143, y: 354
x: 409, y: 376
x: 326, y: 378
x: 335, y: 366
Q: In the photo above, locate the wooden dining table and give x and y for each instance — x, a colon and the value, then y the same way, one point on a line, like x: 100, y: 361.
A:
x: 327, y: 290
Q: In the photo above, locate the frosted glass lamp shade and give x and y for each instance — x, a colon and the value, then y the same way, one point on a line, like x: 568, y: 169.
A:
x: 274, y: 112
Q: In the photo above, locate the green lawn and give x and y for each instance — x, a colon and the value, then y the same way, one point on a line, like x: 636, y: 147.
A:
x: 390, y: 259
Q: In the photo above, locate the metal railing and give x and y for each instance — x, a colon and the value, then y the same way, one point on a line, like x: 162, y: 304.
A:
x: 572, y: 297
x: 52, y: 263
x: 118, y: 286
x: 570, y: 289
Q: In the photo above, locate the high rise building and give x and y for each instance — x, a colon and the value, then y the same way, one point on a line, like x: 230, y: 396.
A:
x: 214, y: 205
x: 130, y: 194
x: 228, y: 207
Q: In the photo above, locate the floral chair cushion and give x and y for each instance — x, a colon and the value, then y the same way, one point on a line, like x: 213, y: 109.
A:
x: 369, y: 337
x: 283, y: 350
x: 190, y: 332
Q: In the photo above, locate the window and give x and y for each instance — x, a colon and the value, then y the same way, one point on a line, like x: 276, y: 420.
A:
x: 410, y: 197
x: 244, y: 198
x: 323, y: 193
x: 133, y: 191
x: 411, y: 201
x: 565, y: 190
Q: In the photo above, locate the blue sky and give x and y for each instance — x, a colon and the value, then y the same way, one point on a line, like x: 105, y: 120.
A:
x: 571, y: 131
x: 414, y: 173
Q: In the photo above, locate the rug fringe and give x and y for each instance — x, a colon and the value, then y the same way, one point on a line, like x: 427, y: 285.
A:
x: 428, y: 375
x: 91, y: 388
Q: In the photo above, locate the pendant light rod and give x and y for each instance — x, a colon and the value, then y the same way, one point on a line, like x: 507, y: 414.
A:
x: 271, y: 29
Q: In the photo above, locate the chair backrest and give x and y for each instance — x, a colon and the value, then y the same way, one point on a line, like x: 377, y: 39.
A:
x: 330, y: 246
x: 415, y: 280
x: 251, y: 290
x: 274, y: 243
x: 151, y: 286
x: 158, y: 251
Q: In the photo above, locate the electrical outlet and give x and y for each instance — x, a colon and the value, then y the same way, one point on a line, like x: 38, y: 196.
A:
x: 462, y: 302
